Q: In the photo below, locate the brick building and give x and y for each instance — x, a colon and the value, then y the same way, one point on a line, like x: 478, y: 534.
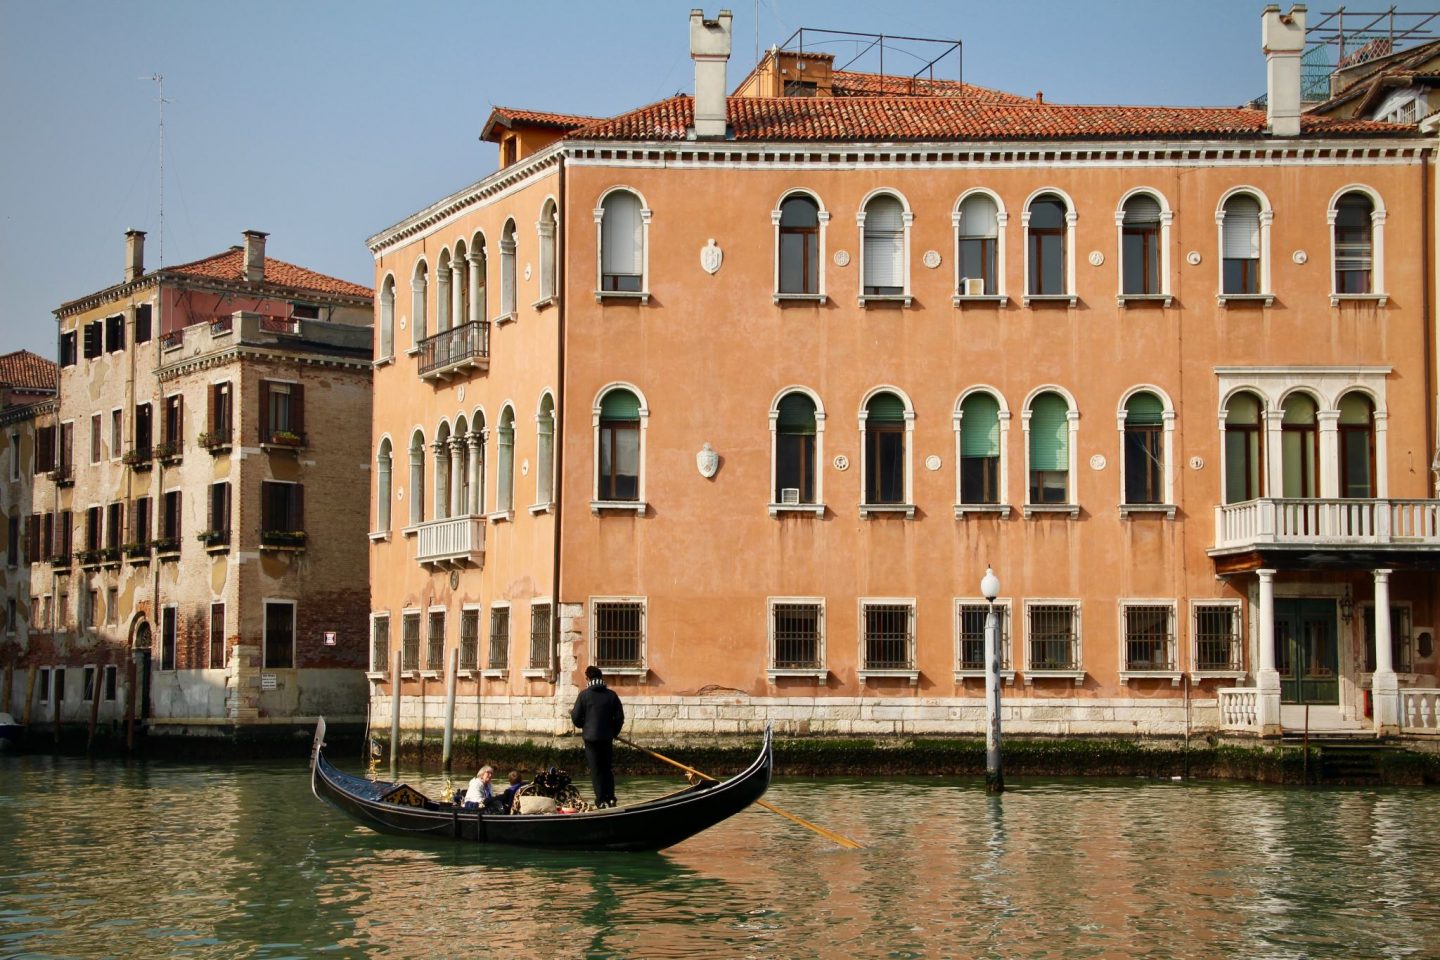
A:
x: 738, y: 397
x: 189, y: 580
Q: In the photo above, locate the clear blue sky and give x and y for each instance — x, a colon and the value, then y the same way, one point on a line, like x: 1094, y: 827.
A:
x: 323, y: 121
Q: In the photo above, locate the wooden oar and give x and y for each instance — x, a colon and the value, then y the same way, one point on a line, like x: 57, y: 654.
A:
x: 830, y: 835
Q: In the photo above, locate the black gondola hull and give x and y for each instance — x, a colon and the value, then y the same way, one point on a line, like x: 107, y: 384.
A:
x: 646, y: 826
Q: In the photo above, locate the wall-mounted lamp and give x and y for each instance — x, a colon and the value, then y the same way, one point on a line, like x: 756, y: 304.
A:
x: 1347, y: 606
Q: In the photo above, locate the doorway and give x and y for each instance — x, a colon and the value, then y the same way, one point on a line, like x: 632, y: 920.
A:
x: 1306, y: 652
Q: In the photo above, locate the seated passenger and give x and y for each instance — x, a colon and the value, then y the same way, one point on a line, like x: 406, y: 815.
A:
x: 508, y: 800
x: 480, y: 793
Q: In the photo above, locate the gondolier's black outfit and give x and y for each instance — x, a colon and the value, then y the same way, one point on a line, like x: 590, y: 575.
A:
x: 600, y: 717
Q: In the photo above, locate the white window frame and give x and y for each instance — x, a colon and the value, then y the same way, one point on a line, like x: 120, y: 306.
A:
x: 1266, y: 295
x: 379, y: 671
x: 384, y: 489
x: 419, y: 304
x: 420, y: 614
x: 539, y: 673
x: 426, y: 671
x: 93, y: 672
x: 1238, y: 639
x: 547, y: 230
x: 643, y: 294
x: 479, y: 610
x: 1126, y: 673
x: 1167, y: 438
x: 644, y: 669
x: 505, y: 466
x: 1071, y: 507
x: 544, y: 474
x: 823, y: 222
x: 45, y: 680
x: 771, y: 670
x: 639, y: 505
x: 1031, y: 673
x: 907, y: 508
x: 385, y: 327
x: 265, y: 631
x: 1002, y: 218
x: 1167, y: 217
x: 818, y: 507
x: 866, y: 674
x: 497, y: 672
x: 117, y: 440
x: 1007, y: 637
x: 957, y: 416
x: 907, y: 220
x: 1377, y: 247
x: 1069, y: 296
x: 110, y: 670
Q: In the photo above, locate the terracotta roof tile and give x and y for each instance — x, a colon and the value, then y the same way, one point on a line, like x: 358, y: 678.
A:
x: 539, y: 118
x: 926, y: 119
x: 28, y: 371
x: 845, y: 83
x: 230, y: 268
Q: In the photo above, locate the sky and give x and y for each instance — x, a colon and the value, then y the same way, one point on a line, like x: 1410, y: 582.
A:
x: 323, y: 122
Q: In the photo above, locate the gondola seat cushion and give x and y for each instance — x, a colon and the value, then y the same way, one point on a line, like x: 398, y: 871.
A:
x: 537, y: 804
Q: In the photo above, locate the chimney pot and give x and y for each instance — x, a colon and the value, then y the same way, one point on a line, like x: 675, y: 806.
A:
x: 1282, y: 37
x: 254, y: 256
x: 710, y: 49
x: 134, y: 254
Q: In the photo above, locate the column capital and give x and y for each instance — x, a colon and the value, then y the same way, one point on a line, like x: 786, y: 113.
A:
x: 438, y: 446
x: 1382, y: 575
x: 473, y: 439
x: 1265, y: 574
x: 457, y: 443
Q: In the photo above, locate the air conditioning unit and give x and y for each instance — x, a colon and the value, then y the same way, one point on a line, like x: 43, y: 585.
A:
x: 973, y: 286
x: 789, y: 495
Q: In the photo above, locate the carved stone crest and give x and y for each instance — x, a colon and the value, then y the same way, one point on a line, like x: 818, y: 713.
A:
x: 711, y: 256
x: 707, y: 461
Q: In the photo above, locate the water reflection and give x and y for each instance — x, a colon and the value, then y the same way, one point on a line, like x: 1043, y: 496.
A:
x: 105, y: 859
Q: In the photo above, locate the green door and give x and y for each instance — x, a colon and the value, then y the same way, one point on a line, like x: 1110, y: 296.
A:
x: 1305, y: 651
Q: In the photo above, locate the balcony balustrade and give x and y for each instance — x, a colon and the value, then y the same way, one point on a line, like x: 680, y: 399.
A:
x: 452, y: 542
x: 1327, y: 523
x: 453, y: 351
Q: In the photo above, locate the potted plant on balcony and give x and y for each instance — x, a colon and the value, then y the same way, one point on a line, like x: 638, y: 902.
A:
x: 109, y: 554
x: 286, y: 438
x: 213, y: 538
x: 139, y: 550
x: 60, y: 560
x: 166, y: 544
x: 62, y: 475
x: 167, y: 451
x: 87, y: 557
x: 283, y: 538
x: 214, y: 441
x: 137, y: 458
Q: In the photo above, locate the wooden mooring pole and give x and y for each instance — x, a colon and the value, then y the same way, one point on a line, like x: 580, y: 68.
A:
x: 96, y: 682
x: 395, y: 716
x: 9, y: 679
x: 29, y: 694
x: 445, y: 752
x: 131, y: 676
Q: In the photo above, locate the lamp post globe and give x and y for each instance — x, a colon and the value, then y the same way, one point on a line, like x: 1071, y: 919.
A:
x: 990, y: 585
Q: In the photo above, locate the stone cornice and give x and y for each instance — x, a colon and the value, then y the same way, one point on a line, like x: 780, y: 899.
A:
x: 220, y: 358
x: 208, y: 285
x: 28, y: 411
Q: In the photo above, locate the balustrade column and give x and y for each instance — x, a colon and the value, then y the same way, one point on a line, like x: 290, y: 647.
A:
x: 477, y: 284
x: 457, y: 476
x: 1384, y: 685
x: 442, y: 479
x: 457, y: 293
x: 472, y: 464
x: 1267, y: 677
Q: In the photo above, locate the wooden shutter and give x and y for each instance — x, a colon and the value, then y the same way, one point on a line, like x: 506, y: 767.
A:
x: 884, y: 243
x: 621, y: 234
x: 796, y: 414
x: 1242, y: 228
x: 620, y: 405
x: 980, y: 426
x: 297, y: 409
x: 210, y: 411
x: 297, y: 506
x: 885, y: 408
x: 1049, y: 433
x: 32, y: 547
x: 264, y: 411
x: 1144, y: 410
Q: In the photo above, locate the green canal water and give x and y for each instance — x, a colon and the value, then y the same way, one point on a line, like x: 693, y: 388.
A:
x: 156, y: 859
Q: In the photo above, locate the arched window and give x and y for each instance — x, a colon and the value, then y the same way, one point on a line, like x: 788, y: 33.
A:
x: 507, y: 271
x: 417, y: 478
x: 479, y: 271
x: 1299, y: 448
x: 1140, y: 246
x: 477, y: 451
x: 545, y: 457
x: 795, y: 447
x: 977, y: 246
x: 443, y: 292
x: 549, y: 221
x: 387, y: 319
x: 419, y: 302
x: 621, y: 243
x: 1144, y: 449
x: 1047, y: 242
x: 1049, y: 449
x: 1354, y: 244
x: 1244, y: 448
x: 1241, y: 245
x: 618, y: 474
x: 980, y: 449
x: 1357, y: 446
x: 885, y: 456
x: 883, y: 248
x: 460, y: 474
x: 382, y: 487
x: 441, y: 448
x: 505, y: 462
x: 799, y: 245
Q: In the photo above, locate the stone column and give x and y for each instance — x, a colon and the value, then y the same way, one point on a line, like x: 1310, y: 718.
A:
x: 1267, y: 677
x: 417, y: 485
x: 472, y: 464
x: 457, y: 292
x: 1328, y: 422
x: 477, y: 287
x: 442, y: 479
x: 442, y: 300
x: 1274, y: 456
x: 417, y: 311
x: 1384, y: 685
x: 457, y: 476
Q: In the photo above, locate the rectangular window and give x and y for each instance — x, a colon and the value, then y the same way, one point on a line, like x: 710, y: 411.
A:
x: 32, y: 540
x: 66, y: 536
x: 12, y: 616
x: 142, y: 323
x: 1144, y: 456
x: 1217, y: 637
x: 1140, y: 253
x: 96, y: 434
x: 499, y: 656
x: 59, y: 684
x: 115, y: 333
x: 219, y: 426
x: 170, y: 529
x: 435, y: 645
x: 410, y: 641
x: 140, y: 522
x: 174, y: 423
x: 169, y: 626
x: 885, y: 463
x: 469, y: 639
x: 67, y: 448
x: 619, y: 634
x: 114, y: 525
x: 12, y: 541
x: 144, y: 435
x: 889, y: 635
x: 279, y: 635
x: 92, y: 608
x: 67, y: 349
x: 94, y: 528
x: 62, y: 609
x: 44, y: 449
x: 970, y: 634
x: 14, y: 456
x: 1149, y: 637
x: 111, y: 682
x: 795, y: 465
x: 282, y: 513
x: 87, y: 691
x: 117, y: 434
x: 217, y: 636
x: 619, y: 460
x: 112, y: 605
x: 540, y: 626
x: 380, y: 642
x: 94, y: 342
x: 1053, y: 636
x: 1400, y: 640
x: 797, y: 635
x: 282, y: 409
x: 219, y: 528
x: 42, y: 684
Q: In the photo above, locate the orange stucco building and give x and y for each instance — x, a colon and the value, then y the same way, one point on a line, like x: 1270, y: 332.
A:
x: 739, y: 396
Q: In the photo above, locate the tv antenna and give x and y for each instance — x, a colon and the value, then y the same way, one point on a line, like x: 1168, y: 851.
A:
x: 159, y: 80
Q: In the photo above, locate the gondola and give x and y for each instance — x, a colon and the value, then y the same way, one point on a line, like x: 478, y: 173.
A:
x: 399, y: 809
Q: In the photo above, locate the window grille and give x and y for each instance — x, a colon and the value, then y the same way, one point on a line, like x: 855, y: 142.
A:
x: 469, y: 639
x: 889, y: 636
x: 797, y: 632
x: 1054, y: 640
x: 1217, y: 638
x: 540, y: 636
x: 972, y: 635
x: 1400, y: 645
x: 380, y: 643
x: 499, y: 657
x: 1149, y: 635
x: 435, y: 648
x: 410, y: 640
x: 620, y: 634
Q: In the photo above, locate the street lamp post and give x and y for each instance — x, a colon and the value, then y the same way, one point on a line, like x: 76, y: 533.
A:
x: 994, y: 775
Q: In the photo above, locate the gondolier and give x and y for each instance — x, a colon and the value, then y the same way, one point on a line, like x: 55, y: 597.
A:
x: 600, y: 717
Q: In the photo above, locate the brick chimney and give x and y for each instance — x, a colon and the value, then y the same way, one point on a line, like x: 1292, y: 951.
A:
x: 255, y: 256
x: 710, y: 49
x: 134, y: 254
x: 1283, y: 38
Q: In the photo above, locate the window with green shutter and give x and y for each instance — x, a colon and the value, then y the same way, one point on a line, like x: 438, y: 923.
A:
x: 795, y: 450
x: 619, y: 454
x: 1049, y: 449
x: 885, y: 449
x: 980, y: 449
x: 1144, y: 449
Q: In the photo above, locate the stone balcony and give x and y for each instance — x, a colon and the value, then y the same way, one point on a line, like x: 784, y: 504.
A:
x: 457, y: 541
x: 1362, y: 529
x: 453, y: 352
